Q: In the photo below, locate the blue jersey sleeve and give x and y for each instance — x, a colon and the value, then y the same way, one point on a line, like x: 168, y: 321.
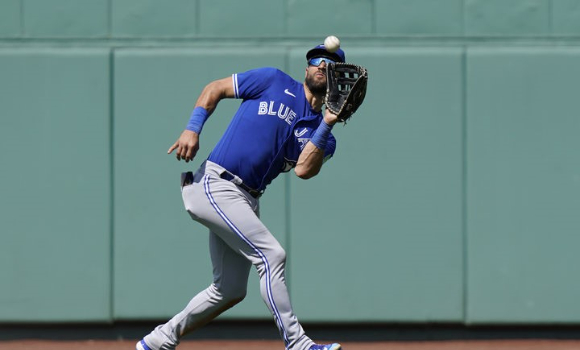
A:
x: 251, y: 84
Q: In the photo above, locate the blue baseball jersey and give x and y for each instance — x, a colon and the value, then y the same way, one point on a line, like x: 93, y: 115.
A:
x: 269, y: 130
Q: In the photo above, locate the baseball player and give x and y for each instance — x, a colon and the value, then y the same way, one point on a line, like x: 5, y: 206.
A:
x: 279, y: 126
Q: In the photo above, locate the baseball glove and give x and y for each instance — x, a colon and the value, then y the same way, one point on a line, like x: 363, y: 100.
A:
x: 346, y: 87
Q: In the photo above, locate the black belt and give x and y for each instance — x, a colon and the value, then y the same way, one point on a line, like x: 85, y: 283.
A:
x: 254, y: 193
x: 186, y: 178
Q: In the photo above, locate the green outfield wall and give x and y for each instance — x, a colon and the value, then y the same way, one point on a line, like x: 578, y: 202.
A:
x: 454, y: 195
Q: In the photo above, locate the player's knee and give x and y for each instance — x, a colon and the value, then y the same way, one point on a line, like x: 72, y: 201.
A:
x: 274, y: 259
x: 228, y: 294
x: 234, y: 296
x: 277, y: 256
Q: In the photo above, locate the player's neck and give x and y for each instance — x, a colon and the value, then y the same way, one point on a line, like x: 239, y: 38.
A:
x: 316, y: 101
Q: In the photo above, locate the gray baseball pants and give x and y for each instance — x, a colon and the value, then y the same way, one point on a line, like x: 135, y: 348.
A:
x: 238, y: 240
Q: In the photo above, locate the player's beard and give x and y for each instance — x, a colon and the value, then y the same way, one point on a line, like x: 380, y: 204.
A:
x: 316, y: 87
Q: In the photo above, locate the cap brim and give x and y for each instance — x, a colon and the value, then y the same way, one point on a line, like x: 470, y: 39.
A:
x: 320, y: 52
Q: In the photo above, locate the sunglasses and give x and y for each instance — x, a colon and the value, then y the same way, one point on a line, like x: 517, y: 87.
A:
x: 318, y: 60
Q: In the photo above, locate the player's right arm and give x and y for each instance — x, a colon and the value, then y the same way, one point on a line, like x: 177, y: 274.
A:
x: 214, y: 92
x: 188, y: 143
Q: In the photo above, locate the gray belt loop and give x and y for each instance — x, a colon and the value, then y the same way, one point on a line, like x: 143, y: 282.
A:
x: 235, y: 178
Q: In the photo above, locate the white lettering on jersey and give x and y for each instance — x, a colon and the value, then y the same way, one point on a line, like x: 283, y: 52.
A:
x: 300, y: 133
x: 283, y: 115
x: 290, y: 117
x: 303, y: 141
x: 271, y: 109
x: 286, y: 114
x: 263, y: 108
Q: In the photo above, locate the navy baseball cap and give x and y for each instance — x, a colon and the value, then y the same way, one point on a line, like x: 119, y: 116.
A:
x: 320, y: 51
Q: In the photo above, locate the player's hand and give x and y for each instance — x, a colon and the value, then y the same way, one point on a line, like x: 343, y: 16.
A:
x: 329, y: 117
x: 187, y: 146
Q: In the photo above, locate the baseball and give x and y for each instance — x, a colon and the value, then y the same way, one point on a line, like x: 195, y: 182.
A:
x: 331, y: 43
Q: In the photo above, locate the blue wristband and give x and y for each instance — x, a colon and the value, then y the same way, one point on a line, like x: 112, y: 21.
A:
x: 197, y: 119
x: 320, y: 137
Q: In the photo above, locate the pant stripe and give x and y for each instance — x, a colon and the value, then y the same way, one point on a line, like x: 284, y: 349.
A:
x: 258, y: 251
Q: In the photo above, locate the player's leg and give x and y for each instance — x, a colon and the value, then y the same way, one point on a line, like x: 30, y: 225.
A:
x: 230, y: 279
x: 225, y: 210
x: 244, y: 232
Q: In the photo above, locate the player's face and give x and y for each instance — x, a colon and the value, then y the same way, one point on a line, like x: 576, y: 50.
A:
x: 316, y: 77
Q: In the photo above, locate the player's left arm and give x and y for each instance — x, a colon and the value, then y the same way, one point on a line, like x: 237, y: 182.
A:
x: 312, y: 156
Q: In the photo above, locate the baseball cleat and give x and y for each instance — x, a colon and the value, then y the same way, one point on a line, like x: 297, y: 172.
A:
x: 334, y: 346
x: 143, y: 346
